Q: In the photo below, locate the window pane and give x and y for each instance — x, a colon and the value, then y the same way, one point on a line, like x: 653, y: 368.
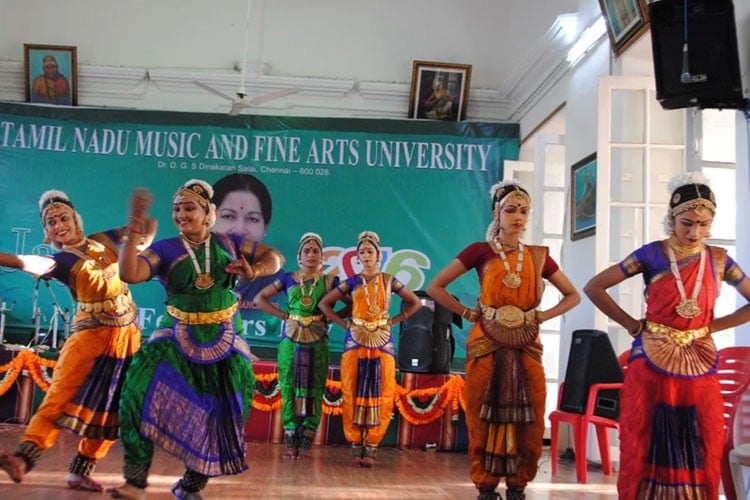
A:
x: 667, y: 126
x: 625, y: 231
x: 627, y: 174
x: 628, y: 116
x: 554, y: 212
x: 723, y: 184
x: 665, y: 164
x: 718, y: 136
x: 554, y: 165
x: 555, y: 248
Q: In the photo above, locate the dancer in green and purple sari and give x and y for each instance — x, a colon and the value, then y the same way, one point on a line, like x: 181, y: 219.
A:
x: 303, y: 350
x: 191, y: 386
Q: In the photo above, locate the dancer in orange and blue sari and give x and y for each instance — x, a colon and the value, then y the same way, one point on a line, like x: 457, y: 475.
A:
x: 671, y: 417
x: 84, y: 395
x: 505, y: 382
x: 368, y: 367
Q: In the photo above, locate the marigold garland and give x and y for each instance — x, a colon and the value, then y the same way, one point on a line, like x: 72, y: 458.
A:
x: 30, y: 361
x: 417, y: 406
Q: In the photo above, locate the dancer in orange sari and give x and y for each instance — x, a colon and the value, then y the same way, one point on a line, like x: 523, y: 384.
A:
x: 671, y: 434
x: 84, y: 396
x: 505, y: 382
x: 368, y: 367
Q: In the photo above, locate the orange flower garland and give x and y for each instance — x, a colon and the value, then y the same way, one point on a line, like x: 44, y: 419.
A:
x: 30, y: 361
x: 418, y: 406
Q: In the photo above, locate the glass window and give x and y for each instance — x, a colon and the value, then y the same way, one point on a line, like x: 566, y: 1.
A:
x: 628, y: 116
x: 627, y: 174
x: 554, y: 213
x: 718, y: 136
x: 723, y: 184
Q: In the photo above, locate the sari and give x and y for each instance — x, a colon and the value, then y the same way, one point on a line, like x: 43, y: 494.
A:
x: 671, y: 432
x: 505, y: 382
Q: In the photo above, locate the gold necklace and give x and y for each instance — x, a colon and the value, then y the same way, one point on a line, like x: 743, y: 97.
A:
x: 511, y: 279
x: 372, y: 308
x: 307, y: 299
x: 684, y: 250
x: 203, y: 280
x: 687, y: 308
x: 101, y: 262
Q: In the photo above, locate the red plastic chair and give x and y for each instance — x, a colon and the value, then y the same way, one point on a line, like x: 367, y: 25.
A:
x: 734, y: 377
x: 580, y: 425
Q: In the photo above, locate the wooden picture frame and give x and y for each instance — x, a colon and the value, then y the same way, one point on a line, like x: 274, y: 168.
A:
x: 626, y: 21
x: 439, y: 91
x: 583, y: 198
x: 51, y: 74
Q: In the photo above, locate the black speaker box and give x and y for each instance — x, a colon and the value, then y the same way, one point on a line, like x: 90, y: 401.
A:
x: 592, y: 360
x: 426, y: 342
x: 696, y: 63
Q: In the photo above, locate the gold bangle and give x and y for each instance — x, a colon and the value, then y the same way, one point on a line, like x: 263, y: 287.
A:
x: 466, y: 313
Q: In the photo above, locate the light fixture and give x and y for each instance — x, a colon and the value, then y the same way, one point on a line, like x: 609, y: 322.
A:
x: 588, y: 39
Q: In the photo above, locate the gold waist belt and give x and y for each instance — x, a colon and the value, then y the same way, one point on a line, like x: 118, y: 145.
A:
x: 203, y: 318
x: 679, y: 337
x: 373, y: 334
x: 370, y: 325
x: 509, y: 325
x: 305, y: 320
x: 117, y: 305
x: 687, y: 353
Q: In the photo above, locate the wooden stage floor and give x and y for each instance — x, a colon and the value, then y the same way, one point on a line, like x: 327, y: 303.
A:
x: 398, y: 474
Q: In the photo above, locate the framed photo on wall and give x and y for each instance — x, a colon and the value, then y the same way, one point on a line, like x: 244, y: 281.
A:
x: 51, y: 74
x: 439, y: 91
x: 583, y: 198
x: 626, y: 21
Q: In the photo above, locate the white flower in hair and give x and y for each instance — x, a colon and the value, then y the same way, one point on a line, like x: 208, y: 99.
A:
x: 51, y: 194
x: 687, y: 178
x: 499, y: 185
x: 205, y: 185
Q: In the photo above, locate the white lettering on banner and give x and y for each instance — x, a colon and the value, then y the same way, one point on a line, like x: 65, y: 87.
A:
x: 277, y: 149
x: 102, y: 142
x: 225, y: 149
x: 166, y: 144
x: 433, y: 155
x: 41, y: 137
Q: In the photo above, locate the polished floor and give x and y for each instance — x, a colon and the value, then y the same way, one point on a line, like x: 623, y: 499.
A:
x: 401, y: 474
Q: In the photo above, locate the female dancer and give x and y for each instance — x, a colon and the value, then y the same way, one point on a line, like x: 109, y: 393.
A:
x: 303, y: 350
x: 368, y: 368
x: 86, y: 383
x: 671, y: 433
x: 505, y: 381
x: 196, y: 364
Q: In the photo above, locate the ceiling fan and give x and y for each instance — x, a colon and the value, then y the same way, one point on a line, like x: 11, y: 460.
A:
x: 241, y: 101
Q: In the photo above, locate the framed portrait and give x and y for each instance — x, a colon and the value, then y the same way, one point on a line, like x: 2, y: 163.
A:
x: 626, y: 21
x: 439, y: 91
x: 583, y: 198
x: 51, y: 74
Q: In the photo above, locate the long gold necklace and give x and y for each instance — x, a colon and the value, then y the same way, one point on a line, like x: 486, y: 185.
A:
x: 511, y: 279
x: 307, y: 299
x: 372, y: 307
x: 687, y: 308
x: 101, y: 262
x: 203, y: 280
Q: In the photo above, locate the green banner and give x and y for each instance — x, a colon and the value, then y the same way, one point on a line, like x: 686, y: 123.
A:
x: 421, y: 185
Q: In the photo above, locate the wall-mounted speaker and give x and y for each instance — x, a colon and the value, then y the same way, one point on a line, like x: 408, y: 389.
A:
x: 696, y: 60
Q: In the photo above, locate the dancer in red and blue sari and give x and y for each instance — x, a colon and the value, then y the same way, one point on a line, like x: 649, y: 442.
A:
x: 671, y: 418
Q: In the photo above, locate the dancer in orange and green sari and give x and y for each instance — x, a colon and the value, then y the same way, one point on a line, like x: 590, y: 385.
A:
x: 368, y: 367
x: 303, y: 351
x: 85, y: 392
x: 189, y: 389
x: 671, y: 417
x: 505, y: 381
